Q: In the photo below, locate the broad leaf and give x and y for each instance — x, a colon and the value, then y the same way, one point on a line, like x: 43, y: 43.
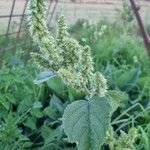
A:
x: 86, y: 122
x: 55, y: 102
x: 37, y: 105
x: 58, y: 87
x: 31, y: 123
x: 128, y: 79
x: 116, y: 98
x: 44, y: 76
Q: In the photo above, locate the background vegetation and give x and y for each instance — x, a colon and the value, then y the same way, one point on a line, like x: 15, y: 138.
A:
x: 30, y: 115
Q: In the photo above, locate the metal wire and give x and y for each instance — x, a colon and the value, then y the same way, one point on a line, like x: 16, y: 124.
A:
x: 9, y: 22
x: 17, y: 35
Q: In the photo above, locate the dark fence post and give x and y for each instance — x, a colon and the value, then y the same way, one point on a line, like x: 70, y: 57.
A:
x: 144, y: 33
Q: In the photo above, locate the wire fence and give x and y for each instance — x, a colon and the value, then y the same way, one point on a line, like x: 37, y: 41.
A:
x: 14, y: 33
x: 7, y: 33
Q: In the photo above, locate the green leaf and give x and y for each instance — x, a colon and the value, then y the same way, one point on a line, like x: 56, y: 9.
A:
x: 143, y: 81
x: 31, y: 123
x: 51, y: 136
x: 6, y: 99
x: 56, y: 103
x: 11, y: 98
x: 4, y: 102
x: 46, y: 131
x: 116, y: 98
x: 145, y: 138
x: 128, y: 79
x: 74, y: 94
x: 44, y: 76
x: 57, y: 86
x: 37, y: 113
x: 37, y: 105
x: 51, y: 112
x: 86, y: 122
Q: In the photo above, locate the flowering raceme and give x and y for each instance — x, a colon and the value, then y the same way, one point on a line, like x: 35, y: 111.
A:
x: 64, y: 55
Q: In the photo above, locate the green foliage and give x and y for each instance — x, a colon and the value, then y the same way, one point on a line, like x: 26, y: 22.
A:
x: 120, y: 55
x: 144, y: 137
x: 44, y: 76
x: 116, y: 99
x: 124, y: 141
x: 11, y: 136
x: 127, y: 80
x: 86, y: 121
x: 31, y: 115
x: 25, y: 118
